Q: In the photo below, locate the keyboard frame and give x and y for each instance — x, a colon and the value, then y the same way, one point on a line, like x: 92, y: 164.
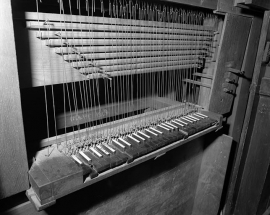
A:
x: 44, y: 193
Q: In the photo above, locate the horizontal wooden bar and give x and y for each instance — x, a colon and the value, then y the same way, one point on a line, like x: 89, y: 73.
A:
x: 145, y: 70
x: 203, y: 75
x: 114, y: 68
x: 63, y: 26
x: 134, y: 54
x: 125, y: 61
x: 119, y: 42
x: 198, y: 83
x: 90, y: 114
x: 105, y: 20
x: 117, y: 35
x: 134, y: 48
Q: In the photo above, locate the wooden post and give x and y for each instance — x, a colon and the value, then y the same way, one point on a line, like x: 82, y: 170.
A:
x: 13, y: 159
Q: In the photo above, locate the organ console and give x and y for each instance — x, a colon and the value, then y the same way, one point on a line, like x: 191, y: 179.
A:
x: 108, y: 85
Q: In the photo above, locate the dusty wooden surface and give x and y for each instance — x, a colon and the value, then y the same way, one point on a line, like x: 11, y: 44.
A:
x: 257, y: 162
x: 243, y: 147
x: 265, y: 4
x: 231, y: 53
x: 212, y: 175
x: 13, y: 160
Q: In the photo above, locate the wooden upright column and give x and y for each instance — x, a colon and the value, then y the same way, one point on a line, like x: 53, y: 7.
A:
x: 13, y: 159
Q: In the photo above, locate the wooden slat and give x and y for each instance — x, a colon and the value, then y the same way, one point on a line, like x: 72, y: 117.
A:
x: 120, y: 42
x: 104, y: 20
x: 106, y: 55
x: 13, y: 158
x: 133, y: 48
x: 139, y: 68
x: 198, y: 83
x: 122, y: 35
x: 233, y: 42
x: 125, y: 61
x: 203, y: 75
x: 61, y: 26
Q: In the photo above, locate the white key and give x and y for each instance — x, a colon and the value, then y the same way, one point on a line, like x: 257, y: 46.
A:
x: 156, y: 130
x: 190, y: 118
x: 171, y: 124
x: 164, y: 127
x: 119, y: 144
x: 133, y: 138
x: 167, y: 126
x: 202, y: 115
x: 111, y: 149
x: 194, y: 117
x: 178, y: 120
x: 186, y: 119
x: 138, y: 136
x: 103, y: 150
x: 198, y: 115
x: 150, y: 132
x: 127, y: 143
x: 76, y: 159
x: 95, y: 152
x: 177, y: 123
x: 85, y: 156
x: 144, y: 134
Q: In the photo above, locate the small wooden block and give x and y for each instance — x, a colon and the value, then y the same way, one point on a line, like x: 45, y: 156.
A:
x: 52, y: 175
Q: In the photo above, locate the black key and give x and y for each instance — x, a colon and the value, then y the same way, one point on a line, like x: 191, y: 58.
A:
x: 125, y: 149
x: 122, y: 156
x: 144, y: 147
x: 110, y: 159
x: 138, y: 149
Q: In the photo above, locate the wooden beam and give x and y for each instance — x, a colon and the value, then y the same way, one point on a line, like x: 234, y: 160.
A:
x: 13, y: 164
x: 231, y: 54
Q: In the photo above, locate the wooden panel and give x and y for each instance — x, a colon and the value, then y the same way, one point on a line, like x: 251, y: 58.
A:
x: 204, y: 94
x: 212, y: 175
x: 231, y: 53
x: 13, y: 164
x: 237, y: 118
x: 242, y: 148
x: 265, y: 194
x: 257, y: 162
x: 265, y: 4
x: 227, y: 6
x: 265, y: 197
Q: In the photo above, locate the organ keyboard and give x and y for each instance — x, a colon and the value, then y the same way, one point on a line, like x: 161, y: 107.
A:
x: 116, y: 87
